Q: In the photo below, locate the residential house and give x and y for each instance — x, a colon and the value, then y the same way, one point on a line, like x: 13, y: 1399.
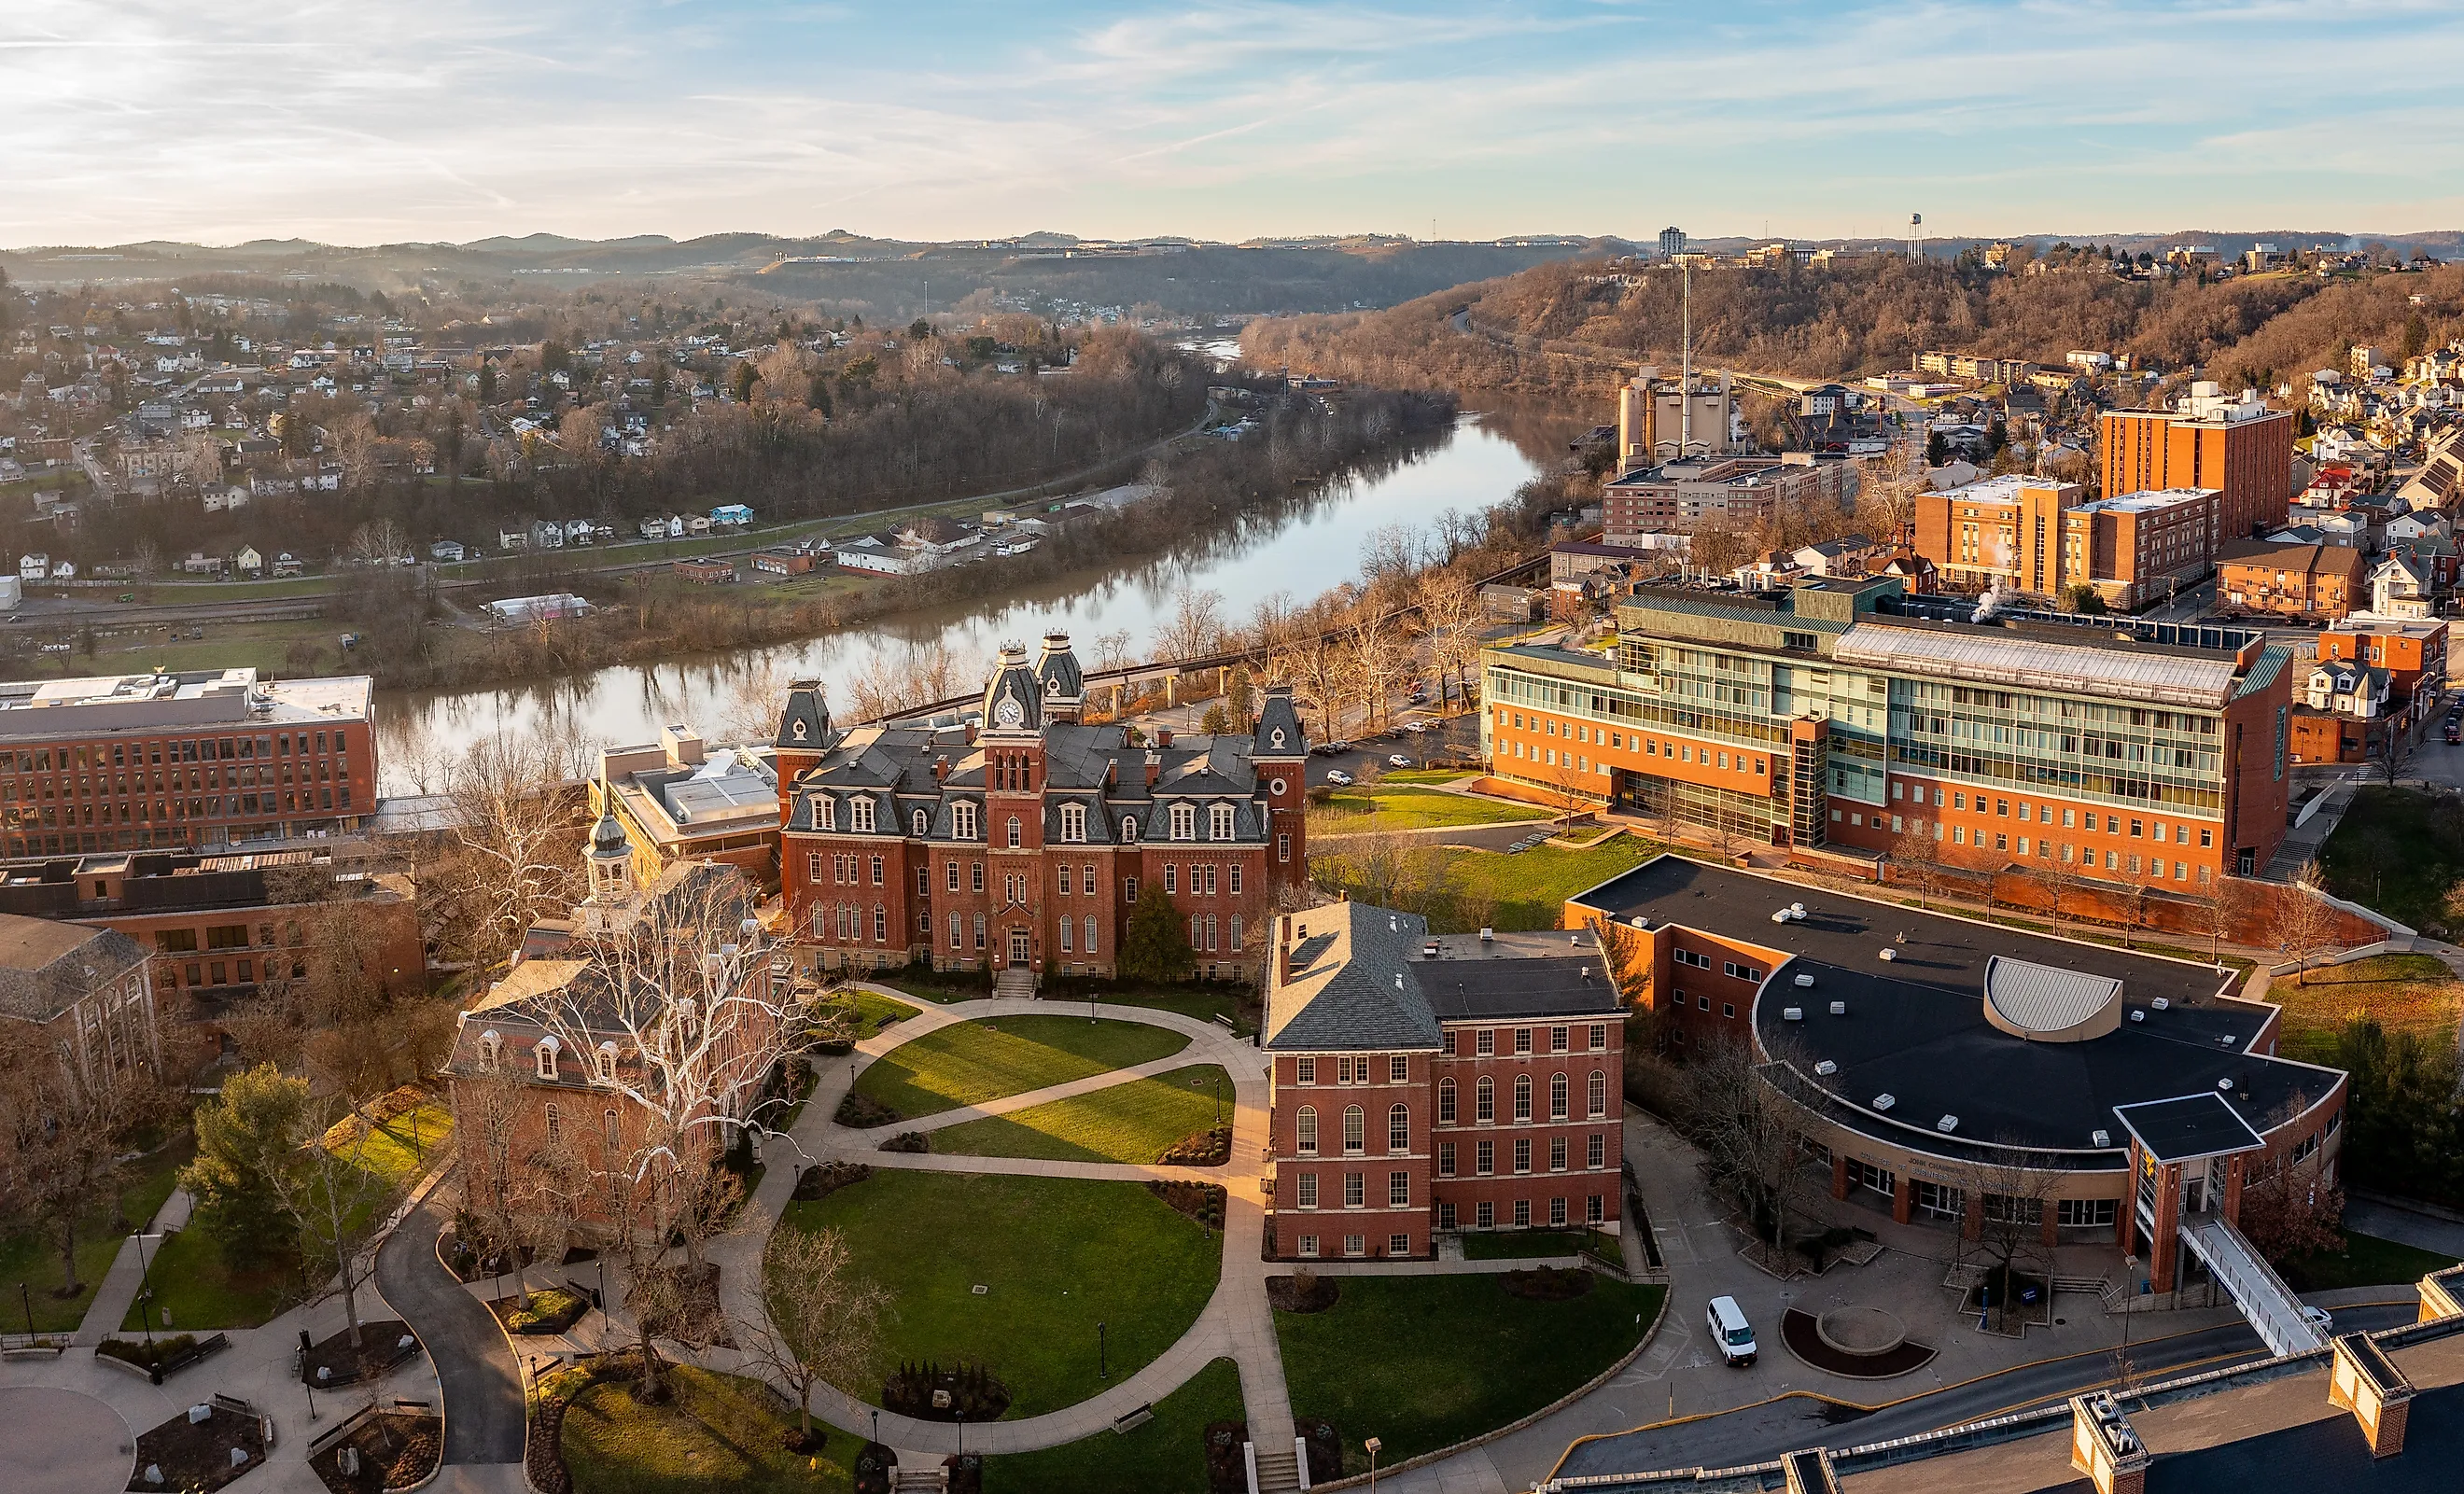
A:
x: 33, y: 567
x: 447, y: 551
x: 546, y: 534
x: 2401, y: 587
x: 1850, y: 554
x: 249, y: 562
x: 735, y: 515
x: 200, y: 563
x: 287, y: 565
x: 2338, y: 711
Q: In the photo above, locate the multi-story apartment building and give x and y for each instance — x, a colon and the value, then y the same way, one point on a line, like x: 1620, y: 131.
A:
x: 1424, y: 1085
x: 130, y: 761
x: 1845, y: 713
x: 1022, y: 841
x: 678, y: 801
x: 2034, y: 533
x: 1663, y: 419
x: 1675, y: 497
x: 2301, y: 581
x: 2240, y: 448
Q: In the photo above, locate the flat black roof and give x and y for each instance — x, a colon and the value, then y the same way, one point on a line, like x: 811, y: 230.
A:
x: 2189, y: 1126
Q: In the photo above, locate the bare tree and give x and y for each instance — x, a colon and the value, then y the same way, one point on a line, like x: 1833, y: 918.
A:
x: 379, y: 541
x: 2221, y: 907
x: 1374, y: 661
x: 1315, y: 668
x: 2057, y: 879
x: 2292, y: 1210
x: 487, y: 1129
x: 335, y: 1197
x: 1751, y: 1140
x: 2306, y: 922
x: 824, y: 1320
x: 516, y: 844
x: 1917, y: 856
x: 748, y: 706
x: 2006, y: 1195
x: 65, y: 1130
x: 1572, y: 791
x: 1196, y: 627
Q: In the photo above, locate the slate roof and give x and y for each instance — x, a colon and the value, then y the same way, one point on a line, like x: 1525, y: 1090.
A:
x: 46, y: 967
x: 1357, y: 977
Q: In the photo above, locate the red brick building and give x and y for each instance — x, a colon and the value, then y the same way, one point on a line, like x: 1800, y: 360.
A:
x: 1020, y: 841
x: 2240, y: 448
x: 1437, y: 1083
x: 2303, y: 580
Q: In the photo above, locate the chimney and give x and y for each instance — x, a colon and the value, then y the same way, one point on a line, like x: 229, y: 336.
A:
x: 970, y: 734
x: 942, y: 769
x: 1111, y: 773
x: 1163, y: 738
x: 2365, y: 1382
x: 2106, y: 1448
x: 1154, y: 767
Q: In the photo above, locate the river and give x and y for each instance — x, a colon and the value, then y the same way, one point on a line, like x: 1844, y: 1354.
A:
x: 1304, y: 549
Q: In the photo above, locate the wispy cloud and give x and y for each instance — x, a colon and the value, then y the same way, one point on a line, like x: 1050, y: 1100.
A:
x: 382, y: 119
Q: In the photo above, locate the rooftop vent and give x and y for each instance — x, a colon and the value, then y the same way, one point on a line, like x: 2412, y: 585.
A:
x: 1884, y: 1102
x: 1638, y: 920
x: 2101, y: 1138
x: 2136, y: 1015
x: 1797, y: 909
x: 1398, y: 980
x: 1793, y: 1014
x: 1826, y: 1069
x: 1949, y: 1123
x: 2162, y: 1004
x: 2224, y: 1039
x: 1394, y: 924
x: 2225, y: 1084
x: 1429, y: 950
x: 1488, y: 935
x: 1805, y: 981
x: 1838, y: 1008
x: 1889, y: 952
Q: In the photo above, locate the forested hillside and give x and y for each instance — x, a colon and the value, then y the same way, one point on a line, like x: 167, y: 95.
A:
x: 1575, y: 324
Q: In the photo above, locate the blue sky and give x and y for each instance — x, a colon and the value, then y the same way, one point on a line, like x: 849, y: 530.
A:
x: 376, y: 120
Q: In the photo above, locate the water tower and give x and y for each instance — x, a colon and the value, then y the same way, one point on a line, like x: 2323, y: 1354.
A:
x: 1916, y: 236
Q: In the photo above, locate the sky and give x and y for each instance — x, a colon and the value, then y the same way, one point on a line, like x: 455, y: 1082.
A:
x: 377, y: 121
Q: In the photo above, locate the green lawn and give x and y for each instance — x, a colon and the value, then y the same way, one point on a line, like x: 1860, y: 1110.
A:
x: 1059, y: 1255
x: 1165, y: 1455
x: 2390, y: 852
x: 2368, y: 1261
x: 2403, y: 993
x: 200, y: 1290
x: 1202, y: 999
x: 718, y: 1431
x: 30, y: 1255
x: 968, y: 1063
x: 400, y: 1148
x: 1427, y: 776
x: 1130, y: 1122
x: 1460, y: 889
x: 1423, y: 1362
x: 1392, y: 806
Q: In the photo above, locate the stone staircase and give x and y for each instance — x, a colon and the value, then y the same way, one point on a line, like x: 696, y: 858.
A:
x: 921, y: 1480
x: 1279, y: 1469
x: 1014, y: 980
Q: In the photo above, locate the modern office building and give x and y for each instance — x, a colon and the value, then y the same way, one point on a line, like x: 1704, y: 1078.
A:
x: 1842, y: 712
x: 1020, y: 839
x: 1425, y: 1084
x: 2238, y: 447
x: 187, y: 760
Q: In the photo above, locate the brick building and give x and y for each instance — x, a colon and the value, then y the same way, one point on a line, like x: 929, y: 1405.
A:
x: 1424, y: 1085
x: 2035, y: 535
x: 2240, y: 448
x: 187, y: 760
x: 1019, y: 840
x: 1675, y: 497
x: 86, y: 990
x: 2299, y: 581
x: 1844, y: 713
x: 679, y: 800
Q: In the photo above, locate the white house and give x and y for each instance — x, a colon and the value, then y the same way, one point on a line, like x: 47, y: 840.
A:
x: 66, y: 570
x: 578, y: 531
x: 2413, y: 526
x: 446, y: 550
x: 2347, y: 689
x: 247, y: 561
x: 2401, y: 587
x: 230, y: 499
x: 33, y: 567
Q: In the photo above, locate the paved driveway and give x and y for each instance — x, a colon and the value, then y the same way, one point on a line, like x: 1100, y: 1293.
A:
x: 482, y: 1388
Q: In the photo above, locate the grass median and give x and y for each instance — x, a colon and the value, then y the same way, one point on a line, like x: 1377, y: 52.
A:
x: 1128, y: 1122
x: 970, y: 1063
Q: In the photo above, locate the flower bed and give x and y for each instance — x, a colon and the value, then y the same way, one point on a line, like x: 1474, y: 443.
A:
x: 863, y: 1112
x: 383, y: 1344
x: 1209, y: 1148
x: 393, y: 1450
x: 928, y: 1393
x: 1204, y: 1202
x: 196, y: 1455
x: 824, y: 1178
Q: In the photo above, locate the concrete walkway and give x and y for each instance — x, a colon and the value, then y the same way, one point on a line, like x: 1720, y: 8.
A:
x: 1236, y: 1323
x: 483, y: 1422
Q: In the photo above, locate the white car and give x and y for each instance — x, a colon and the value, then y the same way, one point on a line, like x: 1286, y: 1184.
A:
x: 2318, y: 1318
x: 1415, y: 726
x: 1396, y: 759
x: 1339, y: 778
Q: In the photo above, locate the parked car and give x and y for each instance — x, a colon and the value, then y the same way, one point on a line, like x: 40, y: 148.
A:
x: 1339, y: 778
x: 1396, y: 759
x: 2454, y: 731
x: 1730, y: 1330
x: 1415, y: 727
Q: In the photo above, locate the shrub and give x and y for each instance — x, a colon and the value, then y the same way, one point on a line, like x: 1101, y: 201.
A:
x: 864, y: 1113
x: 824, y: 1178
x: 907, y: 1141
x: 146, y: 1356
x: 1209, y: 1148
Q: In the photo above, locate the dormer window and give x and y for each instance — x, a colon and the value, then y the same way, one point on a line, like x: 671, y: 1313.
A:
x: 859, y: 816
x: 491, y: 1048
x: 546, y: 1053
x: 1184, y: 821
x: 825, y: 812
x: 606, y: 1061
x: 1073, y: 822
x: 1129, y: 829
x: 1219, y: 823
x: 923, y: 823
x: 962, y: 821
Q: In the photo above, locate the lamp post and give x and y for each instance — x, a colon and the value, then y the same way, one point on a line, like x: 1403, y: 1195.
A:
x: 1101, y: 1371
x: 28, y: 1298
x: 144, y: 1289
x: 1374, y: 1447
x: 877, y: 1426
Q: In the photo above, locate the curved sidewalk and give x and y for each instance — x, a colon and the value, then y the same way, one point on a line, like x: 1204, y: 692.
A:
x: 1236, y: 1323
x: 475, y: 1367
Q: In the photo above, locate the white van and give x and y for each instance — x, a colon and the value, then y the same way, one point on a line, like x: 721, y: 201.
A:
x: 1729, y: 1331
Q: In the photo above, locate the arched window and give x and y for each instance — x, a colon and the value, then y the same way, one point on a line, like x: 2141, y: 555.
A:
x: 1485, y: 1101
x: 1399, y: 1128
x: 1599, y: 1096
x: 923, y: 823
x: 1090, y: 934
x: 1184, y: 821
x: 608, y: 1127
x: 1356, y: 1127
x: 1523, y: 1097
x: 1557, y: 1094
x: 607, y: 1063
x: 1197, y: 930
x: 1219, y: 823
x: 1073, y: 822
x: 546, y: 1053
x: 1236, y: 934
x: 1305, y: 1131
x: 491, y: 1048
x: 554, y: 1124
x: 1210, y: 934
x: 1013, y: 832
x: 1129, y: 829
x: 1445, y: 1102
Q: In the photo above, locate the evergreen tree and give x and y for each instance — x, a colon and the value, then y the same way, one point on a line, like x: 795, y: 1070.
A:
x: 1157, y: 947
x: 245, y: 1139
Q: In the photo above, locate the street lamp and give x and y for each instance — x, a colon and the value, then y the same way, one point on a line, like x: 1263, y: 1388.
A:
x: 1374, y: 1447
x: 1101, y: 1371
x: 28, y: 1298
x: 145, y: 1290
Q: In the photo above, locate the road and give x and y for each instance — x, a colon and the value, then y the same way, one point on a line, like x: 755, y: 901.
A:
x: 475, y: 1367
x: 1764, y: 1431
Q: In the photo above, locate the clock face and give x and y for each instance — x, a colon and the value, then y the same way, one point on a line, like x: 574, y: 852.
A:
x: 1007, y: 712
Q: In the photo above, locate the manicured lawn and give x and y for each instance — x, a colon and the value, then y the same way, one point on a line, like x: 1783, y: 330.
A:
x: 1166, y: 1454
x: 2388, y: 854
x: 971, y: 1061
x: 2403, y: 993
x: 400, y: 1148
x: 1426, y: 776
x: 1423, y: 1362
x: 2368, y: 1261
x: 1132, y: 1122
x: 1460, y: 889
x: 1393, y: 806
x: 1204, y: 1000
x: 1058, y: 1255
x: 30, y: 1255
x: 194, y: 1283
x: 874, y: 1010
x: 718, y: 1431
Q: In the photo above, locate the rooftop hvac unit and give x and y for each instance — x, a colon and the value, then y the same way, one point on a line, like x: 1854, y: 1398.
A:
x: 1792, y: 1013
x: 2101, y: 1138
x: 1949, y: 1123
x: 1826, y: 1069
x: 2136, y: 1015
x: 1797, y: 909
x: 1884, y: 1102
x: 1891, y: 954
x: 1838, y: 1008
x: 1780, y: 916
x: 1638, y: 920
x: 2224, y: 1039
x: 2224, y: 1086
x: 1805, y: 981
x: 2162, y: 1004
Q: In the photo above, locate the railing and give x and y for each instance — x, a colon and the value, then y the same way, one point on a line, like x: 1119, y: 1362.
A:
x: 2256, y: 1289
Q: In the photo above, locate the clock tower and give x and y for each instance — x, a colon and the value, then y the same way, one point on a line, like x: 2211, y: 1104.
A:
x: 1013, y: 755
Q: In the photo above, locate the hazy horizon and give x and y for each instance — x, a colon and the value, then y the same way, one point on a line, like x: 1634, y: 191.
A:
x: 220, y: 123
